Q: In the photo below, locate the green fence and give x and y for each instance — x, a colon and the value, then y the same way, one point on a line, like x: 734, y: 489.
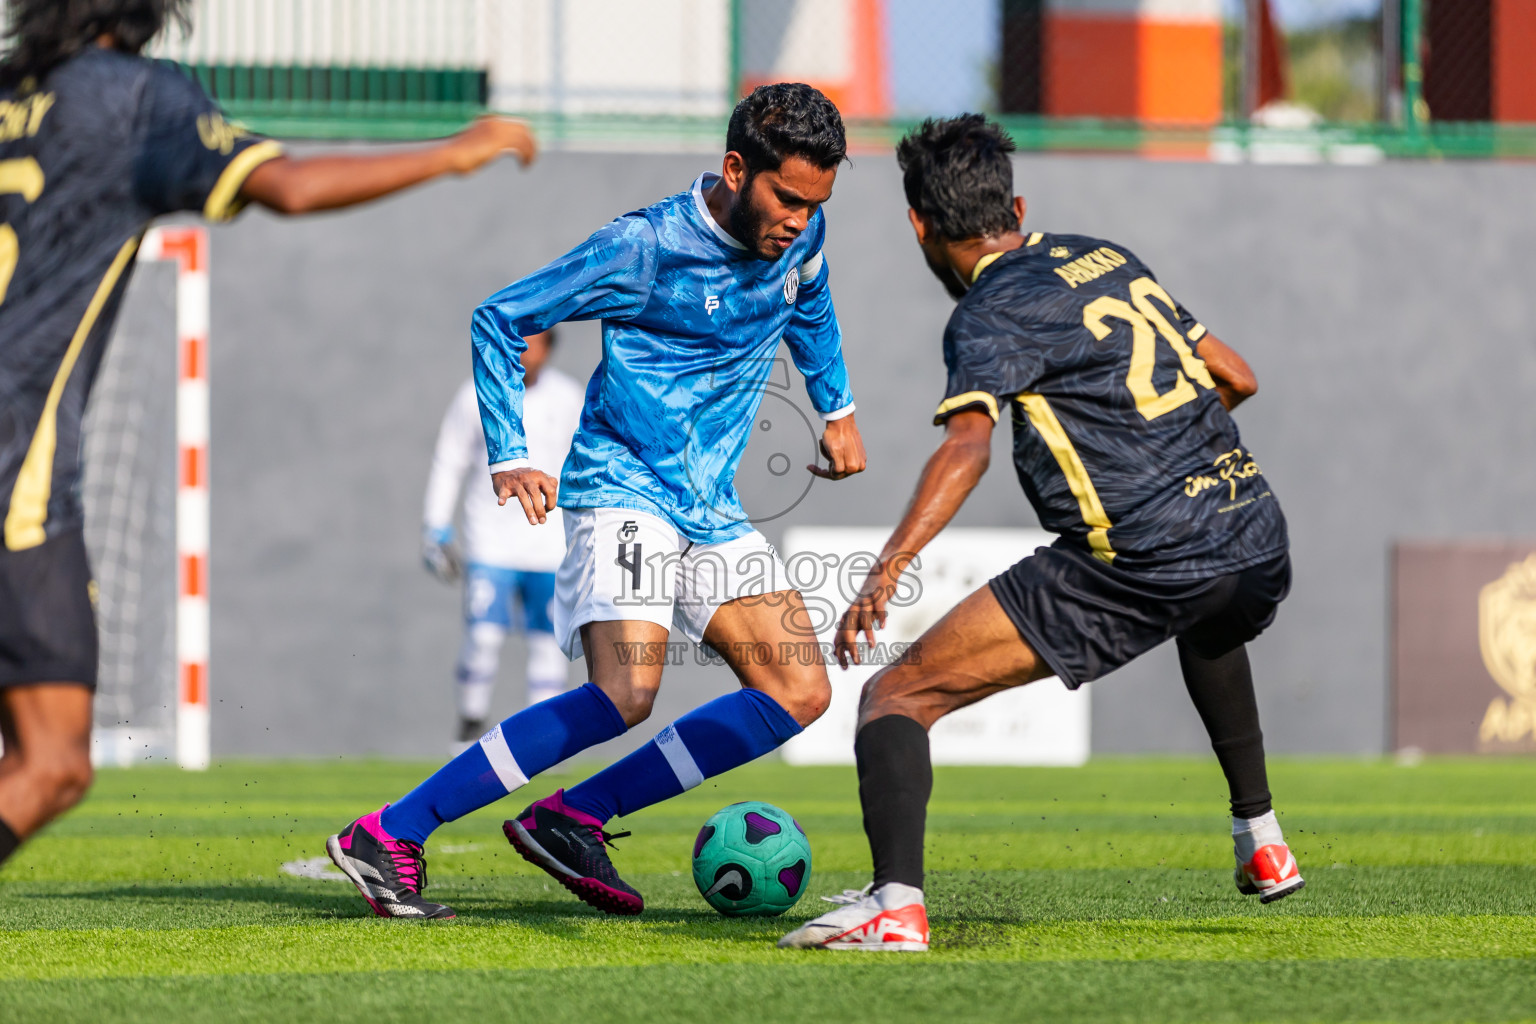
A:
x: 346, y: 102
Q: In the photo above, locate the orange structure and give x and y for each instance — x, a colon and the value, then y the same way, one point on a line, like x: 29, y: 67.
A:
x: 1156, y: 61
x: 838, y: 46
x: 1514, y: 73
x: 1477, y: 64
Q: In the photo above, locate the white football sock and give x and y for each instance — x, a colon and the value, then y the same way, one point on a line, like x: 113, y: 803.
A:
x: 547, y: 667
x: 895, y: 895
x: 479, y: 658
x: 1251, y: 833
x: 542, y: 691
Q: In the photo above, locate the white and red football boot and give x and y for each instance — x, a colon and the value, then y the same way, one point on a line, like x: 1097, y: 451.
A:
x: 891, y: 919
x: 1266, y: 868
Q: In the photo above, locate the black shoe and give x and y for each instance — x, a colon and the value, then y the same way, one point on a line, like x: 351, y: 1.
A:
x: 471, y: 729
x: 389, y: 872
x: 570, y: 845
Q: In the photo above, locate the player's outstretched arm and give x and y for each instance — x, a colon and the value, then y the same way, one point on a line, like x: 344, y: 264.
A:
x: 952, y: 473
x: 294, y: 185
x: 1235, y: 382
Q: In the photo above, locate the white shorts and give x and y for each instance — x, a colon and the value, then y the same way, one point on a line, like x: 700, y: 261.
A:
x: 623, y: 564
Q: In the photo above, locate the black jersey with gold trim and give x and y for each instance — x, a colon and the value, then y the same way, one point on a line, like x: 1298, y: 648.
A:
x: 1120, y: 439
x: 88, y: 158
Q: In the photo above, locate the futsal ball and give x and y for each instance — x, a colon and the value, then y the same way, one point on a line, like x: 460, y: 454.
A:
x: 751, y: 859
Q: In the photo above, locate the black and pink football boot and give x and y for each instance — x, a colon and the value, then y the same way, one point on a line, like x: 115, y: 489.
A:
x: 389, y: 872
x: 571, y: 846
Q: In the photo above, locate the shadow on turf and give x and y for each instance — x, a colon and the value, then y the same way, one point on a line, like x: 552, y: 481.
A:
x: 335, y: 904
x: 554, y: 917
x: 978, y: 910
x: 568, y: 919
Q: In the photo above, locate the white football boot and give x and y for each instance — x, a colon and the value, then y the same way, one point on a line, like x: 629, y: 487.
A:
x: 1266, y: 867
x: 891, y: 919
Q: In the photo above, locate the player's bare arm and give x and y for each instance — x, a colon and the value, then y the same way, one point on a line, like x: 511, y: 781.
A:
x: 295, y: 185
x: 1235, y: 382
x: 534, y: 490
x: 951, y: 474
x: 843, y: 448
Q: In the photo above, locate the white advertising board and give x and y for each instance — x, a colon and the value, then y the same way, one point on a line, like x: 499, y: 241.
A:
x: 1043, y: 723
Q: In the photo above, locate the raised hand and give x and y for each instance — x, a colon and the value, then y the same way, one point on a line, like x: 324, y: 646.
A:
x: 489, y: 137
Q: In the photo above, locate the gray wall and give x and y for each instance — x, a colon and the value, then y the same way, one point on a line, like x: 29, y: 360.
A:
x: 1380, y: 307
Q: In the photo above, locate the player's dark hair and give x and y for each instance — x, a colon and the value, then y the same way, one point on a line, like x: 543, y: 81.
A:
x: 957, y: 173
x: 784, y: 120
x: 45, y: 33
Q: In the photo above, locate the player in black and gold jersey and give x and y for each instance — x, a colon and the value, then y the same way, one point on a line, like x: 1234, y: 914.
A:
x: 1123, y: 442
x: 95, y: 142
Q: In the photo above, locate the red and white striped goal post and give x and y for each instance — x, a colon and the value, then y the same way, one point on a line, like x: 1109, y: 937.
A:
x: 188, y: 248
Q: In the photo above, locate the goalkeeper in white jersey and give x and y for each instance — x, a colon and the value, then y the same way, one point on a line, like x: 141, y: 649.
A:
x: 505, y: 563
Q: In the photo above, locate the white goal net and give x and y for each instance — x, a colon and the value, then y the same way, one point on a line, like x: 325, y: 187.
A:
x: 129, y: 491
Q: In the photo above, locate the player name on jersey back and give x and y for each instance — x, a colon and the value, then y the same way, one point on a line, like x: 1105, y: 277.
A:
x: 1091, y: 267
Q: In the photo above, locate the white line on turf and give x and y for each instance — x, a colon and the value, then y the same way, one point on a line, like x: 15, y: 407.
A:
x: 314, y: 867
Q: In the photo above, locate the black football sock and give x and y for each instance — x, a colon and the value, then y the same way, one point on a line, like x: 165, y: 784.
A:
x: 895, y: 781
x: 1222, y: 689
x: 8, y: 842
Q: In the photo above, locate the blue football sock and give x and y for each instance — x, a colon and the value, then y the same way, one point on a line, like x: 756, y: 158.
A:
x: 529, y: 742
x: 707, y: 741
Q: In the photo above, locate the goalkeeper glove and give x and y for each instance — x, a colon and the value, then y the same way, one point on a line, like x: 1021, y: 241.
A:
x: 438, y: 554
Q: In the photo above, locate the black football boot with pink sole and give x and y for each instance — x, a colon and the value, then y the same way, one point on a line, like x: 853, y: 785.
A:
x: 572, y: 846
x: 389, y: 872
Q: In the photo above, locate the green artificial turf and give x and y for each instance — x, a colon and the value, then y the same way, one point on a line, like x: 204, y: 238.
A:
x: 1098, y: 893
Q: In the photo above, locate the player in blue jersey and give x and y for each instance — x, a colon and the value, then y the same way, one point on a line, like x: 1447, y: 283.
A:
x: 695, y: 294
x: 95, y: 142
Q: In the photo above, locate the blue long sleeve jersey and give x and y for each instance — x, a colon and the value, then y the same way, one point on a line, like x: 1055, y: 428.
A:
x: 691, y: 322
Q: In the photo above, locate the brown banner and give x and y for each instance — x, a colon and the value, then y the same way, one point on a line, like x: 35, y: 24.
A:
x: 1464, y: 647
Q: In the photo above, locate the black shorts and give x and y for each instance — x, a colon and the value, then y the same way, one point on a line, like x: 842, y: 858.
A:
x: 1086, y: 619
x: 47, y: 617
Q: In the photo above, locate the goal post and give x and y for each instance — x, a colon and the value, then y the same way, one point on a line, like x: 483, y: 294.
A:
x: 146, y: 494
x: 187, y: 247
